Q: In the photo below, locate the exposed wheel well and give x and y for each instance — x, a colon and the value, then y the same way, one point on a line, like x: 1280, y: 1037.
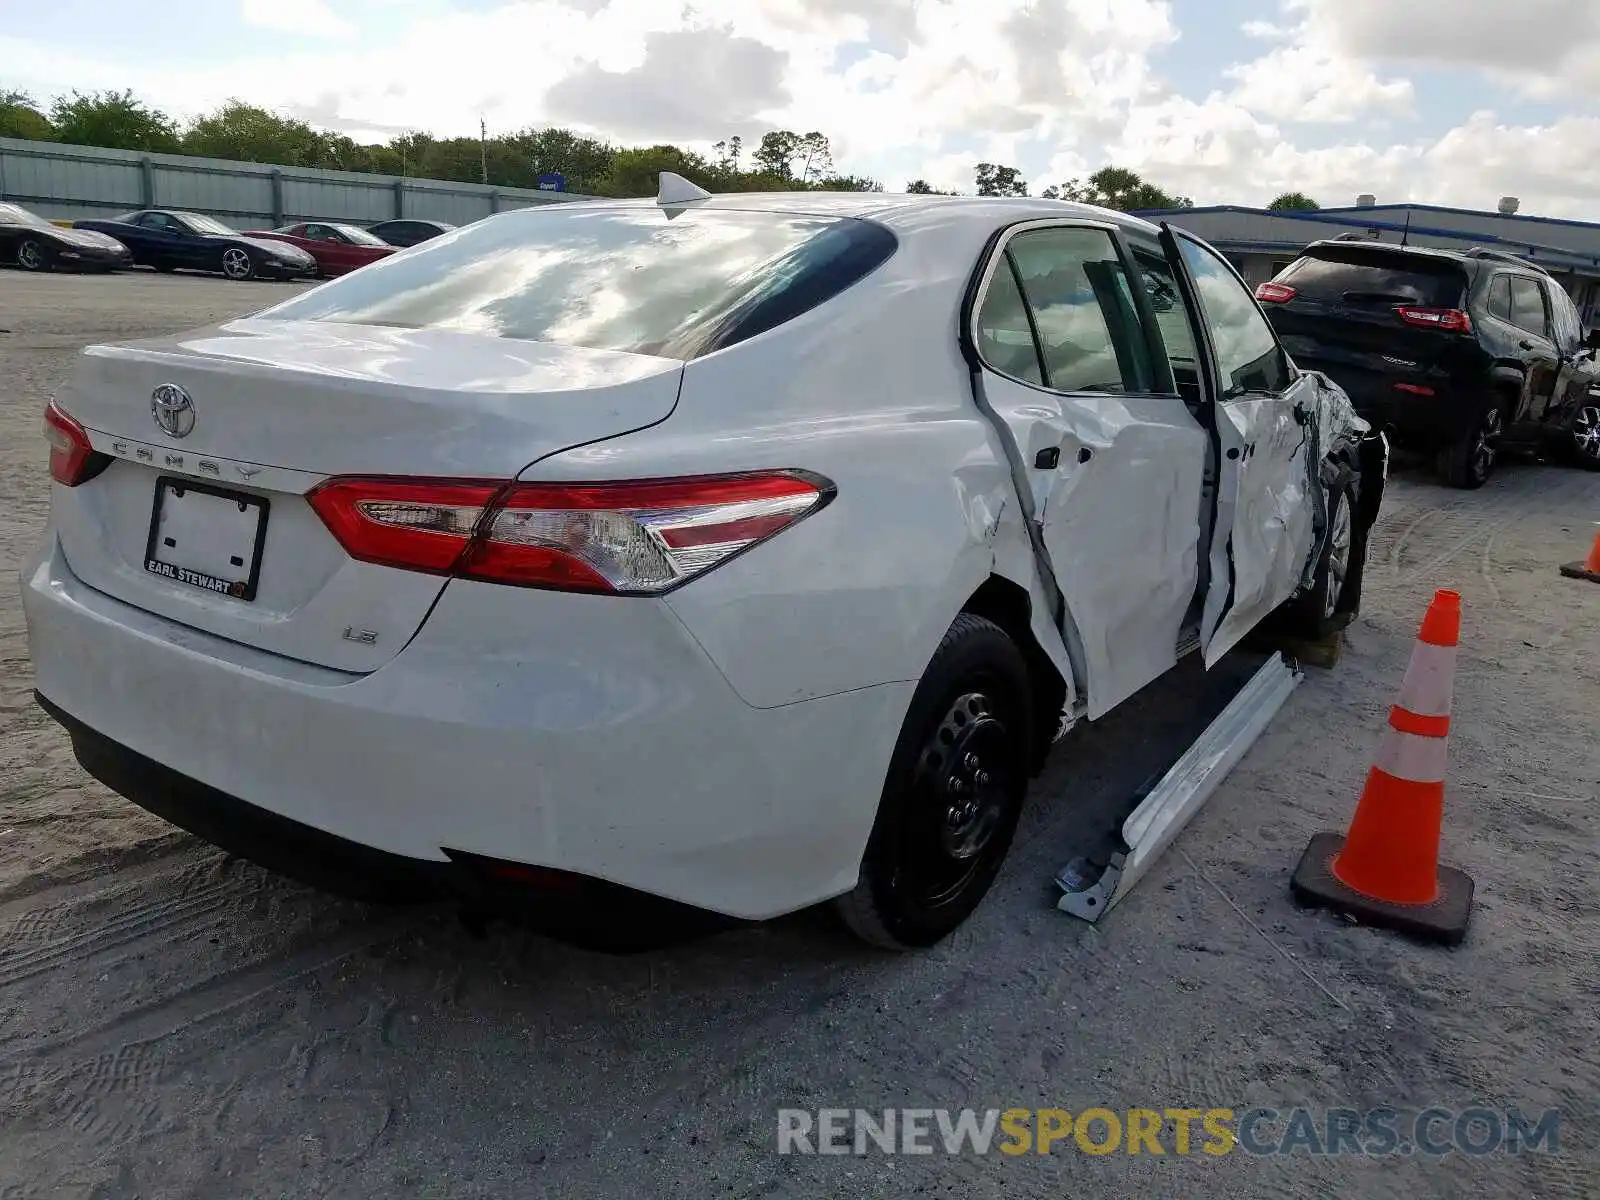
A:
x: 1008, y: 606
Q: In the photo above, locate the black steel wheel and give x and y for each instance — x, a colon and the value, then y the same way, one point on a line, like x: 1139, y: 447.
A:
x: 953, y: 795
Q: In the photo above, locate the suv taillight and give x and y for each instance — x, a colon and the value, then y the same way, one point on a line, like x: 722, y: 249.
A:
x: 1275, y: 293
x: 72, y: 459
x: 640, y: 537
x: 1446, y: 320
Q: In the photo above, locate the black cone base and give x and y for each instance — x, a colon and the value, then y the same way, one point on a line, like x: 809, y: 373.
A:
x: 1577, y: 571
x: 1443, y: 921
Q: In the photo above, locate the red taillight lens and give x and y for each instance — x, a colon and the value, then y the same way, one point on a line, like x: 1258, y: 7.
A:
x: 72, y: 459
x: 1414, y: 389
x: 1446, y: 320
x: 635, y: 538
x: 1275, y: 293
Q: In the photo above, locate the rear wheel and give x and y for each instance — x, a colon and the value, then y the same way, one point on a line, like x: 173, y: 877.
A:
x: 953, y: 795
x: 34, y: 255
x: 1585, y: 435
x: 237, y: 264
x: 1469, y: 461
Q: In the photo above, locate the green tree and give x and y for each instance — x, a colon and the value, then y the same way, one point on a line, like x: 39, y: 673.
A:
x: 996, y: 180
x: 777, y: 153
x: 244, y: 133
x: 636, y: 171
x: 1294, y: 202
x: 814, y: 158
x: 582, y: 161
x: 116, y: 120
x: 848, y: 183
x: 1118, y: 188
x: 921, y: 187
x: 20, y: 118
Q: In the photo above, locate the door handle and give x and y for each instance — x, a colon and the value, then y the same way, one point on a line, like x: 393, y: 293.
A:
x: 1525, y: 345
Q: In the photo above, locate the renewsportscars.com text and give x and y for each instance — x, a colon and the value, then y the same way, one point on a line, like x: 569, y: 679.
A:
x: 1374, y: 1133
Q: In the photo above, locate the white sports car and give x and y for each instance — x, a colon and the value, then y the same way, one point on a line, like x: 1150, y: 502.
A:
x: 744, y: 552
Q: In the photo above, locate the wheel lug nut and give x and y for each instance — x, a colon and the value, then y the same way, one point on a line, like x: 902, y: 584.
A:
x: 981, y: 778
x: 972, y: 762
x: 958, y: 785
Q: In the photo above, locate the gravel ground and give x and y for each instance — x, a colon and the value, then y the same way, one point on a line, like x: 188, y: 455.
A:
x: 174, y: 1023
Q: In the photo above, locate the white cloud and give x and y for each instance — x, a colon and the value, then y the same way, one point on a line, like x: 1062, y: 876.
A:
x: 309, y: 18
x: 928, y: 88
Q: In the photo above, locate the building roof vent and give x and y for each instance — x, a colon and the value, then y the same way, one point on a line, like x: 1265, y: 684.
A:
x: 1366, y: 200
x: 1509, y: 205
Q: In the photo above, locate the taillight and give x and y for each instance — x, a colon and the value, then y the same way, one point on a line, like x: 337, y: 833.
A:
x: 640, y: 537
x: 1447, y: 320
x: 1275, y: 293
x: 72, y: 459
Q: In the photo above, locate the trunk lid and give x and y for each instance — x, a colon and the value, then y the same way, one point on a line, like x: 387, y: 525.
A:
x: 1342, y: 320
x: 179, y: 525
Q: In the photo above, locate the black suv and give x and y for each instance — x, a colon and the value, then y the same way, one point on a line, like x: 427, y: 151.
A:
x: 1454, y: 353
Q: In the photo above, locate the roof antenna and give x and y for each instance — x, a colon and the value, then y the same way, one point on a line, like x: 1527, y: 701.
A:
x: 676, y: 191
x: 1405, y: 235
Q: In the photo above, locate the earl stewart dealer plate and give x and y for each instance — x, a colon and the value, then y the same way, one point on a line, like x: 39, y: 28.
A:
x: 207, y: 537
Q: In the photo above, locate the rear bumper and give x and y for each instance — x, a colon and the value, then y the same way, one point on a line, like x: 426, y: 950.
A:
x: 584, y: 734
x: 1427, y: 421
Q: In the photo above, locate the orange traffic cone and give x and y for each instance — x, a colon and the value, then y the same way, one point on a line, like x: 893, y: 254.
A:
x: 1588, y: 569
x: 1386, y: 871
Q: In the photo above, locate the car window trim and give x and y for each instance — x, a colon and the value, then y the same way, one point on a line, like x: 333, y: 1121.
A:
x: 1000, y: 249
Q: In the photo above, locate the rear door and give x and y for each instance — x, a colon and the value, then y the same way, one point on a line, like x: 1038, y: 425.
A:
x: 1108, y: 458
x: 1263, y: 531
x: 1338, y: 309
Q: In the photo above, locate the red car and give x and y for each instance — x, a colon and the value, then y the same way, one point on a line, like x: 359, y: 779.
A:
x: 338, y: 249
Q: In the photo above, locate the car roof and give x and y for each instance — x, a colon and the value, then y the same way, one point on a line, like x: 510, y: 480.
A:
x: 888, y: 208
x: 1466, y: 258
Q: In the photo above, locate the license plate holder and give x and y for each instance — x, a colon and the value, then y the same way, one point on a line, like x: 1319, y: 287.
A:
x: 207, y: 537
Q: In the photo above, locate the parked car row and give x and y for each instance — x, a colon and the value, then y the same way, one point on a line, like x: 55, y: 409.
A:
x: 1457, y: 354
x: 169, y: 240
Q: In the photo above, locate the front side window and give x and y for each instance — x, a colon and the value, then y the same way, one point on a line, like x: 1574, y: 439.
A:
x: 1565, y: 327
x: 626, y: 278
x: 1527, y: 306
x: 1172, y: 315
x: 1248, y: 355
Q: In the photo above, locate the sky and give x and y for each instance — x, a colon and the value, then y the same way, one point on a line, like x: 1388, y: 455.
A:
x: 1456, y: 102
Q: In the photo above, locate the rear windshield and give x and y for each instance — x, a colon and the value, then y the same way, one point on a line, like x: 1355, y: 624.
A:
x: 631, y: 279
x: 1358, y: 276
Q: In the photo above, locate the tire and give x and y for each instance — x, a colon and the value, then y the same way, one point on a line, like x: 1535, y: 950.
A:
x: 953, y: 794
x: 1584, y: 434
x: 34, y: 255
x: 1318, y: 612
x: 237, y: 264
x: 1469, y: 462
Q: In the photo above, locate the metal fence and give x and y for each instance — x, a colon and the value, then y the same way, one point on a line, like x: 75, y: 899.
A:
x: 80, y: 182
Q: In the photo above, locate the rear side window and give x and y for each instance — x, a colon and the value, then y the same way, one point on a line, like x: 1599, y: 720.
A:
x: 1357, y: 276
x: 628, y: 279
x: 1527, y: 306
x: 1075, y: 299
x: 1005, y: 331
x: 1500, y: 297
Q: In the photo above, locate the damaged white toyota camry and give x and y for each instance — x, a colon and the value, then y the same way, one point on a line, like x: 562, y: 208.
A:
x: 740, y: 552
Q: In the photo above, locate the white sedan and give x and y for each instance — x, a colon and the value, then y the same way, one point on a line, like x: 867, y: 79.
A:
x: 744, y: 552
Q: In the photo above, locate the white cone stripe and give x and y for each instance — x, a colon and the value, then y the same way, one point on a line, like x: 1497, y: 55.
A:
x: 1416, y: 759
x: 1429, y: 680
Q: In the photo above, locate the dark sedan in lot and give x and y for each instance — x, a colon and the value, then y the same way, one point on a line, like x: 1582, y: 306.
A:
x: 409, y: 231
x: 338, y: 248
x: 33, y: 244
x: 170, y: 241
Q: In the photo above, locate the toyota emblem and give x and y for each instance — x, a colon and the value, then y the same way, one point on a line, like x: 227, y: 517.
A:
x: 173, y: 410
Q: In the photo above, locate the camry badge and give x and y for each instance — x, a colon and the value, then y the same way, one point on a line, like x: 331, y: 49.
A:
x: 172, y: 410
